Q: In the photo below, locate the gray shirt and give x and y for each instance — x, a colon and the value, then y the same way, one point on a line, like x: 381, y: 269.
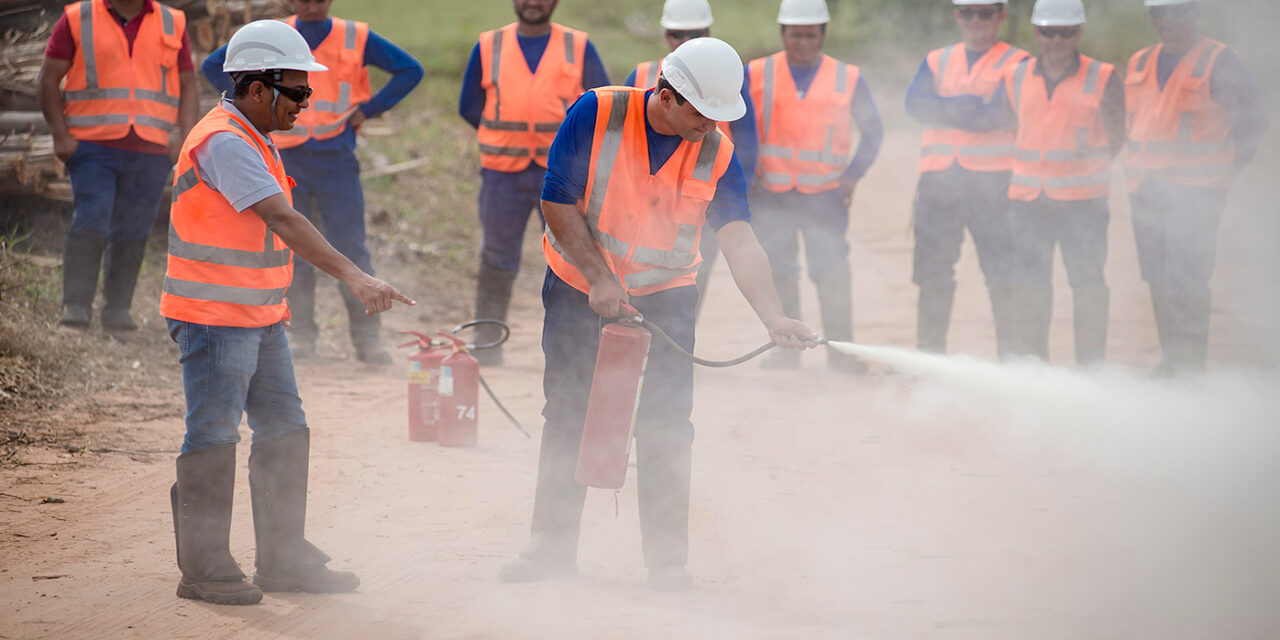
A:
x: 234, y: 168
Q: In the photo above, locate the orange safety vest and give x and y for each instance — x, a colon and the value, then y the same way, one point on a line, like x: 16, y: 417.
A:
x: 647, y: 78
x: 226, y: 268
x: 107, y: 90
x: 1061, y: 149
x: 1180, y: 135
x: 647, y: 227
x: 338, y: 91
x: 972, y: 150
x: 805, y: 144
x: 523, y: 109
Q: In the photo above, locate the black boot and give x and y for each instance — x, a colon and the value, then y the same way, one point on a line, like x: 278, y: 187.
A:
x: 1189, y: 331
x: 366, y: 330
x: 302, y: 313
x: 663, y: 477
x: 933, y: 316
x: 286, y: 561
x: 123, y: 261
x: 788, y: 288
x: 201, y: 500
x: 557, y: 512
x: 835, y: 301
x: 493, y: 298
x: 1032, y: 312
x: 81, y: 261
x: 1005, y: 317
x: 1090, y: 308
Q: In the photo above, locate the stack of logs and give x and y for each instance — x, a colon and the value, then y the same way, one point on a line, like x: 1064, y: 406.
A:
x: 27, y: 162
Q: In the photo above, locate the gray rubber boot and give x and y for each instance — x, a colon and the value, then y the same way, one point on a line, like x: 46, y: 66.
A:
x: 557, y: 512
x: 1032, y: 309
x: 663, y: 472
x: 835, y: 300
x: 286, y: 561
x: 81, y: 261
x: 123, y: 262
x: 933, y: 316
x: 1091, y: 308
x: 302, y: 313
x: 1005, y: 317
x: 1189, y: 352
x: 493, y: 299
x: 201, y: 501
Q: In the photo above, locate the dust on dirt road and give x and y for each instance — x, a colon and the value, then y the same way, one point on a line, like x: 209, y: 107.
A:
x: 824, y: 505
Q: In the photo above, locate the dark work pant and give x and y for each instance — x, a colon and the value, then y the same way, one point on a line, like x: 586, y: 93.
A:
x: 780, y: 220
x: 1176, y: 230
x: 664, y: 433
x: 1080, y: 228
x: 505, y: 202
x: 117, y: 192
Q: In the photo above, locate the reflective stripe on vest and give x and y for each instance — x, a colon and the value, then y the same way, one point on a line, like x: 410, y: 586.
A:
x: 141, y: 85
x: 523, y: 110
x: 646, y: 74
x: 215, y: 274
x: 1178, y: 133
x: 644, y: 268
x: 1062, y: 148
x: 809, y: 165
x: 986, y: 151
x: 339, y: 91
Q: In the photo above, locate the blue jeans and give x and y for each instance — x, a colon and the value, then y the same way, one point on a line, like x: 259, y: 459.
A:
x: 506, y: 200
x: 230, y: 371
x: 332, y: 178
x: 117, y: 192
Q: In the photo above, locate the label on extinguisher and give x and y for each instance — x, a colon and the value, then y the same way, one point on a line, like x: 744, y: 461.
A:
x: 419, y: 377
x: 446, y: 381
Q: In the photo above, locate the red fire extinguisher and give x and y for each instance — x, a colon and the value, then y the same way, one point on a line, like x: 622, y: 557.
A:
x: 611, y: 408
x: 459, y: 390
x: 424, y: 382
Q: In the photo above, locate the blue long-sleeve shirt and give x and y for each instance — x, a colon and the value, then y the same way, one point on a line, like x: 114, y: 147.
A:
x: 866, y: 117
x: 570, y: 156
x: 746, y: 141
x: 379, y: 52
x: 471, y: 99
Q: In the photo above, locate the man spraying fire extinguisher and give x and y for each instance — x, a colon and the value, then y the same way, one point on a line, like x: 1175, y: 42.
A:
x: 634, y: 178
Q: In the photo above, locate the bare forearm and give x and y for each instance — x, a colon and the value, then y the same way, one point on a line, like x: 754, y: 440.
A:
x: 50, y: 97
x: 574, y: 238
x: 303, y: 238
x: 750, y: 268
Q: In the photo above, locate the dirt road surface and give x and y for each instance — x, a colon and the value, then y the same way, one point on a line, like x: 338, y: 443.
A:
x: 825, y: 505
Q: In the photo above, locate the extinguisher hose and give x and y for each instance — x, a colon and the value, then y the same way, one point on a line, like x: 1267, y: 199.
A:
x: 662, y: 335
x: 498, y: 402
x: 506, y: 332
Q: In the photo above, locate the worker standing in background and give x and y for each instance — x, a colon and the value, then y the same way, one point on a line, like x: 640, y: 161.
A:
x: 129, y: 84
x: 320, y: 155
x: 964, y: 175
x: 519, y: 82
x: 685, y: 20
x: 808, y: 105
x: 635, y: 176
x: 1196, y: 119
x: 232, y: 234
x: 1069, y: 113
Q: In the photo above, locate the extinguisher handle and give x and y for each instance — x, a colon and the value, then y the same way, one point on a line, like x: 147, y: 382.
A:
x: 632, y: 316
x: 422, y: 341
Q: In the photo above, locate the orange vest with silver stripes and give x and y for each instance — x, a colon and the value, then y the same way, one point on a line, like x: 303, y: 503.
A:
x: 1061, y: 149
x: 646, y: 227
x: 226, y: 268
x: 107, y: 90
x: 523, y: 109
x: 805, y: 143
x: 972, y: 150
x: 1179, y: 134
x: 337, y: 92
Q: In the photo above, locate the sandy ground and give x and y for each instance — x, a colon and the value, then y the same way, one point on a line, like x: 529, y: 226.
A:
x: 824, y: 505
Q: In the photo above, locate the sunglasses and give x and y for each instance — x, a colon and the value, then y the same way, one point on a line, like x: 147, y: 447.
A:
x: 1174, y: 12
x: 296, y: 94
x: 985, y: 13
x: 1066, y: 33
x: 687, y: 35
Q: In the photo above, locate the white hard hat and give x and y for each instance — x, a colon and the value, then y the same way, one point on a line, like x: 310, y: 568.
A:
x: 708, y: 73
x: 968, y: 2
x: 267, y: 45
x: 1058, y: 13
x: 1165, y: 3
x: 686, y: 15
x: 803, y: 12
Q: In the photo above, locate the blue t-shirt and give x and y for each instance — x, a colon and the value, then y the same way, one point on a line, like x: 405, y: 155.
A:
x: 570, y: 157
x: 379, y: 52
x: 472, y: 97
